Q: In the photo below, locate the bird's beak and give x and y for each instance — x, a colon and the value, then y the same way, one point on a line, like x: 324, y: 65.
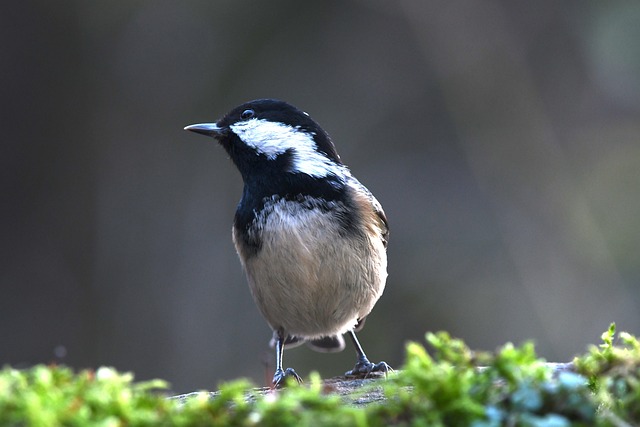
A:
x: 209, y: 129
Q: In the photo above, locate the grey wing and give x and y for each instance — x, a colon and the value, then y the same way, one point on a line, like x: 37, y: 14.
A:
x: 367, y: 198
x: 377, y: 208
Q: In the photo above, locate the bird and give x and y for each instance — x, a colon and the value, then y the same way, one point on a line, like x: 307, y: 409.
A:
x: 311, y: 238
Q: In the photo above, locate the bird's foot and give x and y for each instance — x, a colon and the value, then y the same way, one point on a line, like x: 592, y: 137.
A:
x: 280, y: 378
x: 363, y: 368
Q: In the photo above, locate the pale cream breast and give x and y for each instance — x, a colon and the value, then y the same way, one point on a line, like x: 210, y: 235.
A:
x: 310, y: 277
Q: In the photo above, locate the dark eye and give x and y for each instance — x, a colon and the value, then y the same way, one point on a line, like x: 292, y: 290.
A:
x: 247, y: 114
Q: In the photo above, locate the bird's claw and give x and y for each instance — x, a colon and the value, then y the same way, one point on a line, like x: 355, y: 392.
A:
x: 280, y: 377
x: 363, y: 368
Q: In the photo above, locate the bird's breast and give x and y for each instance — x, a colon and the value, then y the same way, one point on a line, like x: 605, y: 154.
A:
x: 311, y: 271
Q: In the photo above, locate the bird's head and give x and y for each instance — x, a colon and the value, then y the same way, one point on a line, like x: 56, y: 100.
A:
x: 274, y: 136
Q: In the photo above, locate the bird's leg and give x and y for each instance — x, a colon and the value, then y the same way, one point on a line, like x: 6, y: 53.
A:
x: 363, y: 366
x: 279, y: 377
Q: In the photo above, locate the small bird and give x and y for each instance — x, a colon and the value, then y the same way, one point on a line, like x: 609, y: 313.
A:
x: 311, y: 238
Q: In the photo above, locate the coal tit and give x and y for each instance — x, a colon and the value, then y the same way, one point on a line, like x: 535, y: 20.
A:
x: 311, y: 238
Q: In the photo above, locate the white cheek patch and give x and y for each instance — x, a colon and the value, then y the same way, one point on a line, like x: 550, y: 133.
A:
x: 273, y: 139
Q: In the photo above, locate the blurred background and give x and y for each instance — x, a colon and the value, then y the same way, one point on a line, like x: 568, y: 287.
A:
x: 502, y: 138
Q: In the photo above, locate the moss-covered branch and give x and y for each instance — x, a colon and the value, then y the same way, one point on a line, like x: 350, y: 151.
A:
x: 513, y: 387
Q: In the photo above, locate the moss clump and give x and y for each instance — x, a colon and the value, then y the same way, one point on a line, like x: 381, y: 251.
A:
x: 55, y: 395
x: 513, y: 387
x: 613, y: 373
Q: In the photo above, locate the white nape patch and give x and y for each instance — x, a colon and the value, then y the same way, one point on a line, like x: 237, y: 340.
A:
x: 274, y: 138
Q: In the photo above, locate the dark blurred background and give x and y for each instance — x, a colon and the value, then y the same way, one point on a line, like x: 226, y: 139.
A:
x: 501, y: 137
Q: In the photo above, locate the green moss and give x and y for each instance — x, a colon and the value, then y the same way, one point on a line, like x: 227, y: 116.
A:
x: 513, y: 387
x: 613, y: 372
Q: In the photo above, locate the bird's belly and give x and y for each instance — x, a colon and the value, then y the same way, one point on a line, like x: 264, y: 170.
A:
x: 310, y: 278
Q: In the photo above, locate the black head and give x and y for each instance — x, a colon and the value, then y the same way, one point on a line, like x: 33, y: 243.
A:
x: 273, y: 132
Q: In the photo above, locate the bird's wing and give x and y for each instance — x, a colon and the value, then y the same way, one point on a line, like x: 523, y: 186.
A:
x: 371, y: 209
x: 384, y: 226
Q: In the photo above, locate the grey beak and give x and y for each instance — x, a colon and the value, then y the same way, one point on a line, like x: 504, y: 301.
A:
x: 209, y: 129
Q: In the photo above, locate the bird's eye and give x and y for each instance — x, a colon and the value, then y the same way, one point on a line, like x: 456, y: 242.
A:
x: 247, y: 114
